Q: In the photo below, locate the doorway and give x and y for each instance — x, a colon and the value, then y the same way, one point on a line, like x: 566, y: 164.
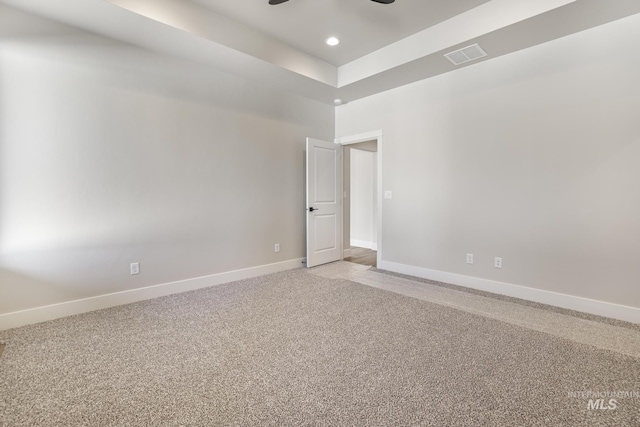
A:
x: 362, y: 207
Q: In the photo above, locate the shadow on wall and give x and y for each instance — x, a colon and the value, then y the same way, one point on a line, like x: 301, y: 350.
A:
x: 111, y: 154
x: 31, y: 291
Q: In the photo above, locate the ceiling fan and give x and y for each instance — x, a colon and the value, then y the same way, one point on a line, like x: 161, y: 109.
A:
x: 377, y: 1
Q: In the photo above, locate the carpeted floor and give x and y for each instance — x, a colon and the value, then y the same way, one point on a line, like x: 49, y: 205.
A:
x: 296, y: 348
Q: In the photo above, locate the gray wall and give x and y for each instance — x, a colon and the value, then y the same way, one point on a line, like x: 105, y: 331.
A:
x: 110, y: 154
x: 532, y: 157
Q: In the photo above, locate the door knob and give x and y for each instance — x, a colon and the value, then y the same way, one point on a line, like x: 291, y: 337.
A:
x: 311, y: 209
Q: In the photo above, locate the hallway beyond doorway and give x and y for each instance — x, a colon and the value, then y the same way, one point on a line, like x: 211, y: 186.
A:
x: 363, y: 256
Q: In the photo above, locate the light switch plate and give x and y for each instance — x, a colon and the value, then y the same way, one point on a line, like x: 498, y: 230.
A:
x: 388, y: 195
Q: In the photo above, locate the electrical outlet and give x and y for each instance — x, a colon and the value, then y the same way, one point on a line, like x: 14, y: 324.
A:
x: 497, y: 263
x: 388, y: 194
x: 135, y: 268
x: 276, y: 247
x: 469, y: 258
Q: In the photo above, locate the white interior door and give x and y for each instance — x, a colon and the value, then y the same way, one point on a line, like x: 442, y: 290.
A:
x: 324, y: 202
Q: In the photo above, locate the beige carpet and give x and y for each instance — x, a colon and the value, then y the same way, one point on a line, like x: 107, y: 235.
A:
x: 592, y: 330
x: 295, y: 348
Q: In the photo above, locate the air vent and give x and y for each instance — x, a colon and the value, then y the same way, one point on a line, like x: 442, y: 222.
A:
x: 466, y: 54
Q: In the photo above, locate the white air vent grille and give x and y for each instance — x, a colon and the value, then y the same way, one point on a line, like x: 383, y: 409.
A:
x: 466, y: 54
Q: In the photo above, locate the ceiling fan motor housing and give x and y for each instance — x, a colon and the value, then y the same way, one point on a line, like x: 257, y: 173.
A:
x: 377, y: 1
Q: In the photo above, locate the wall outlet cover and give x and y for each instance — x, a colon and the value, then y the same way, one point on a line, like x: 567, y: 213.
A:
x: 135, y: 268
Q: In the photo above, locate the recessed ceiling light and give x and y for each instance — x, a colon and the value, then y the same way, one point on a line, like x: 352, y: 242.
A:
x: 333, y: 41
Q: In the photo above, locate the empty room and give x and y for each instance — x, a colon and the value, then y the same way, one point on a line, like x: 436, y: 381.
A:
x: 319, y: 212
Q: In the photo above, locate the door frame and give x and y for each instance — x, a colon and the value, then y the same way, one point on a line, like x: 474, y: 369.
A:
x: 363, y: 137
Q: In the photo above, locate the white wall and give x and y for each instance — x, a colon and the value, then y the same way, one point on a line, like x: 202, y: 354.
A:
x: 110, y: 154
x: 362, y: 199
x: 371, y: 146
x: 532, y: 157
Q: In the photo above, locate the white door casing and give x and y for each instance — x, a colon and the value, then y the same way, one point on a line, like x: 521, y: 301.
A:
x: 324, y: 202
x: 369, y: 136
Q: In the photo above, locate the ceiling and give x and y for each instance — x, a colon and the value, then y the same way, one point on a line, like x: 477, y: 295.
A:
x: 383, y: 46
x: 363, y: 26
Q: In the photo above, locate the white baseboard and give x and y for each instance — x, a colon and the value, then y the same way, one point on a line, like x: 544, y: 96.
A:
x: 585, y: 305
x: 364, y: 244
x: 69, y: 308
x: 346, y: 253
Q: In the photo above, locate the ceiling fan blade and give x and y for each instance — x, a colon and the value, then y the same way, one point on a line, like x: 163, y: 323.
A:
x: 277, y: 1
